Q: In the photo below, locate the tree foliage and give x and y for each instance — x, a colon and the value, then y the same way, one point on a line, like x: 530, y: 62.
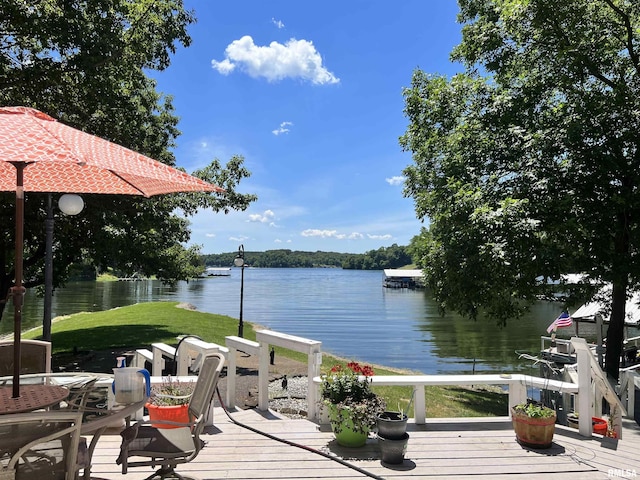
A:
x: 385, y: 257
x: 282, y: 258
x: 86, y: 64
x: 394, y: 256
x: 527, y: 164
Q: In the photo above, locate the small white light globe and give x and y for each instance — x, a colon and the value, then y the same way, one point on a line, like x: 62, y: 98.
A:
x: 70, y: 204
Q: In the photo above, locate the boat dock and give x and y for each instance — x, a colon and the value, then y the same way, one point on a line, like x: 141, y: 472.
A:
x: 217, y: 272
x: 398, y: 278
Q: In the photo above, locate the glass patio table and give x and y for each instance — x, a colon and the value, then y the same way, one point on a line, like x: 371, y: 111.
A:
x: 32, y: 397
x: 97, y: 403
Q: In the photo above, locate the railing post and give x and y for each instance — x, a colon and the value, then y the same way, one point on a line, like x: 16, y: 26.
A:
x: 182, y: 359
x: 420, y: 405
x: 631, y: 394
x: 263, y: 377
x: 231, y: 379
x: 584, y: 392
x: 158, y: 361
x: 314, y: 363
x: 517, y: 393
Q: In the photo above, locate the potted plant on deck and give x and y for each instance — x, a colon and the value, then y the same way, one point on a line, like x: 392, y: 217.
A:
x: 534, y: 424
x: 169, y: 401
x: 392, y: 434
x: 352, y: 406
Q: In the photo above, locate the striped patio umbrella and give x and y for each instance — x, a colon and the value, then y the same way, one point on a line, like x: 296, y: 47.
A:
x: 40, y: 154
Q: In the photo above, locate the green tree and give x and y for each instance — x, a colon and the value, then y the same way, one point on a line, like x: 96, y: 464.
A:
x: 527, y: 164
x: 418, y: 246
x: 85, y: 64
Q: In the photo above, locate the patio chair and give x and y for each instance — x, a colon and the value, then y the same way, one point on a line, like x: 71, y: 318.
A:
x: 180, y: 442
x: 39, y: 445
x: 35, y: 357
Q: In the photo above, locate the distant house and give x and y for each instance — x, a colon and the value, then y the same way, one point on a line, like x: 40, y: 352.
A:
x: 396, y: 278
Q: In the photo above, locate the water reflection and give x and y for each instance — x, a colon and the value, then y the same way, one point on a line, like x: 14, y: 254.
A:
x: 349, y: 311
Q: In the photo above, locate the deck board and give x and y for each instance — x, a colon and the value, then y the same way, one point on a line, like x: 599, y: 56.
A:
x: 443, y: 449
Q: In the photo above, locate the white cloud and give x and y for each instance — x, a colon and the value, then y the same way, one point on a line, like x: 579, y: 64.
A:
x: 225, y: 67
x: 380, y: 237
x: 277, y: 23
x: 397, y: 180
x: 313, y: 232
x: 240, y: 238
x: 265, y: 217
x: 210, y: 235
x: 282, y: 129
x: 294, y: 59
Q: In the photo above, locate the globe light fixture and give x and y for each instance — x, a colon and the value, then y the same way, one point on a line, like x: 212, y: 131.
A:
x: 70, y: 204
x: 239, y: 262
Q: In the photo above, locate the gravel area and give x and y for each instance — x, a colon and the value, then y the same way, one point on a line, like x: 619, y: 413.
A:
x: 292, y: 400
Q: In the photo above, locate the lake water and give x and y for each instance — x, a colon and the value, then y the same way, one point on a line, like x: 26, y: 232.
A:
x: 349, y: 311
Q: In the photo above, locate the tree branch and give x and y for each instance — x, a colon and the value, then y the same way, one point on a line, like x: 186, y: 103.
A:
x: 627, y: 25
x: 587, y: 63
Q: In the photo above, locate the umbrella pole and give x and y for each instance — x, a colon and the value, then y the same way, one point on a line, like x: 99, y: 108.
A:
x: 17, y: 291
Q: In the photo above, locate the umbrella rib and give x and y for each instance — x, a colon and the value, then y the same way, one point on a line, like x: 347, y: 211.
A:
x: 144, y: 194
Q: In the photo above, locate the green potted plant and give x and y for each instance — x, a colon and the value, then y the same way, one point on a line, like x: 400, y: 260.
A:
x: 352, y: 405
x: 169, y: 401
x: 534, y: 424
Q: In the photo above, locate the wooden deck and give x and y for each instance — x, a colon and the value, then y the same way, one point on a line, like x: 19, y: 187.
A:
x: 443, y: 449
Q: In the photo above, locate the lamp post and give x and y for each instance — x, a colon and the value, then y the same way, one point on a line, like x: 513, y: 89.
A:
x: 69, y: 205
x: 239, y: 262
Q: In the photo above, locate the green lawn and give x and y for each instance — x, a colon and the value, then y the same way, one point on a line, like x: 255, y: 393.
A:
x: 145, y: 323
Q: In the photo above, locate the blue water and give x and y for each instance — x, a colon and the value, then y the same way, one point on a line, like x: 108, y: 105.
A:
x: 347, y: 310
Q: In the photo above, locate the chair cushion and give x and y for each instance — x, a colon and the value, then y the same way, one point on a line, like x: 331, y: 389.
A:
x: 162, y: 442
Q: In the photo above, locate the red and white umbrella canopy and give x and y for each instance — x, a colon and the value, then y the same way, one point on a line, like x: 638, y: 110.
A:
x: 63, y: 159
x: 40, y: 154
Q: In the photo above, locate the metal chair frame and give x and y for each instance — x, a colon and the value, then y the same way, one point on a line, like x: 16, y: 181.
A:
x: 168, y: 447
x: 55, y: 425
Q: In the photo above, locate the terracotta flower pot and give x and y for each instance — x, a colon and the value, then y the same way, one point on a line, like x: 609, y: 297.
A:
x: 171, y: 413
x: 533, y: 432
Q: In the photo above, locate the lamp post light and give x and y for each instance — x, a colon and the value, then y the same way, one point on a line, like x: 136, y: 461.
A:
x: 239, y: 262
x: 69, y: 205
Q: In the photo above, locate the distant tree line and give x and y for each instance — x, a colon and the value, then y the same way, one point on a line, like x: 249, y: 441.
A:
x: 394, y: 256
x: 386, y: 257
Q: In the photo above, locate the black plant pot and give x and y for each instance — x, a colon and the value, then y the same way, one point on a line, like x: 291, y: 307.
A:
x: 392, y: 425
x: 392, y: 450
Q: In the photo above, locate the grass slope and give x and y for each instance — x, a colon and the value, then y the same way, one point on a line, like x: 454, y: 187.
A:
x: 142, y: 324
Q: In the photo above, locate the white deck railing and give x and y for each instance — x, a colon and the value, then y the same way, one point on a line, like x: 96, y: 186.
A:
x: 517, y: 386
x: 587, y: 384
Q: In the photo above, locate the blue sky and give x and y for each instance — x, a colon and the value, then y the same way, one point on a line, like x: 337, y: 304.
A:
x: 310, y: 94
